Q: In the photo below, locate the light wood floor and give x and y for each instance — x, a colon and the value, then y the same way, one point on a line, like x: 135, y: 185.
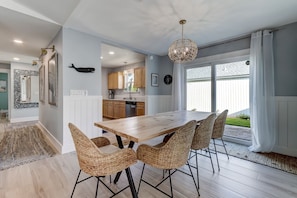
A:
x: 54, y: 178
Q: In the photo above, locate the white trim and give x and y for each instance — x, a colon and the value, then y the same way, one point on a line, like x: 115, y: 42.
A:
x: 25, y: 119
x: 285, y: 150
x: 52, y: 140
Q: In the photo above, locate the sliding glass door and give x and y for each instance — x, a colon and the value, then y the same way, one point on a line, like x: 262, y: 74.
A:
x: 199, y: 88
x: 232, y: 88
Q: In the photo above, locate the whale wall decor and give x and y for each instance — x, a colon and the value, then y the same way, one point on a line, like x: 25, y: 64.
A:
x: 83, y: 69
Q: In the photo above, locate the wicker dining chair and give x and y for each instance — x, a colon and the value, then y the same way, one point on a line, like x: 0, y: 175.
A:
x: 218, y: 132
x: 201, y: 141
x: 168, y: 155
x: 98, y: 158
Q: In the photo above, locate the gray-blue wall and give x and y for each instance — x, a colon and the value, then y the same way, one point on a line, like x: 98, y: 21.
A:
x: 225, y: 47
x: 161, y: 66
x: 285, y: 60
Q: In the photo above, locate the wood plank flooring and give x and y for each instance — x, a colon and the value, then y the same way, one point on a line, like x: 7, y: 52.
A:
x: 54, y: 178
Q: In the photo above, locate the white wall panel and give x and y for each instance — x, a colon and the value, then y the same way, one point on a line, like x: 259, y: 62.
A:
x: 287, y: 126
x: 82, y: 111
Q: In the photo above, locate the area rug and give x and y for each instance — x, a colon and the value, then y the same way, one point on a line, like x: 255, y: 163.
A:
x: 274, y: 160
x: 23, y: 145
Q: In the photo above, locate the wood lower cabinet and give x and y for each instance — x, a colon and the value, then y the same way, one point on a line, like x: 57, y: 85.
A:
x: 114, y: 109
x: 140, y: 108
x: 119, y: 110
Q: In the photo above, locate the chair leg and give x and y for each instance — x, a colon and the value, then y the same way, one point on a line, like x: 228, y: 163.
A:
x: 213, y: 171
x: 75, y: 183
x: 225, y: 148
x: 197, y: 187
x: 97, y: 187
x: 196, y: 157
x: 215, y: 148
x: 171, y: 190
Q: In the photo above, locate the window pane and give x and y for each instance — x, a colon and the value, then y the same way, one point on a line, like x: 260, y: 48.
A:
x: 232, y: 88
x: 199, y: 88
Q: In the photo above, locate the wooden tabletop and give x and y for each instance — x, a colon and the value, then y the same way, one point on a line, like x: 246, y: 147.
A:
x: 142, y: 128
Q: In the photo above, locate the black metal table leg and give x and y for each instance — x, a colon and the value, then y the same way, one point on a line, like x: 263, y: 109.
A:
x: 131, y: 183
x: 120, y: 143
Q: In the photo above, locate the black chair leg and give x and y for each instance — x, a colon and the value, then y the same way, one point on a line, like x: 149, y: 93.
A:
x: 215, y: 148
x: 213, y: 171
x: 225, y: 148
x: 196, y: 157
x: 171, y: 190
x: 75, y: 183
x: 197, y: 187
x: 97, y: 187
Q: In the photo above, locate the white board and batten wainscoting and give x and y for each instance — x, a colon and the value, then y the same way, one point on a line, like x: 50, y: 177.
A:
x: 83, y: 111
x: 286, y: 139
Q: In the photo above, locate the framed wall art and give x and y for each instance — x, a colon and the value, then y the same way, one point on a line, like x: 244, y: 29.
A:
x: 155, y: 80
x: 53, y: 79
x: 41, y: 83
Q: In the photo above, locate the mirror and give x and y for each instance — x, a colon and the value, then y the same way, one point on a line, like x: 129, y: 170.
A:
x: 29, y: 89
x: 129, y: 81
x: 26, y: 89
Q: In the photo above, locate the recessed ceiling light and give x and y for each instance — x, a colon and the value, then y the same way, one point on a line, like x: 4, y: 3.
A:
x: 16, y: 58
x: 101, y: 57
x: 18, y: 41
x: 111, y: 52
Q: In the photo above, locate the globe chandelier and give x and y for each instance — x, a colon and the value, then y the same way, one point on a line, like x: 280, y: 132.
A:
x: 182, y: 50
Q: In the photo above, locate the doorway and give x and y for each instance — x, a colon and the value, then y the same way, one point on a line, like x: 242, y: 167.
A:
x: 3, y: 96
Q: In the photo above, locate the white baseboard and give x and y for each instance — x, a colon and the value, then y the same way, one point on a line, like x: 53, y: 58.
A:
x: 285, y: 151
x: 25, y: 119
x: 52, y: 140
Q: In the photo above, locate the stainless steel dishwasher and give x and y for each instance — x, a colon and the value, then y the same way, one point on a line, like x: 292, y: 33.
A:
x: 130, y: 108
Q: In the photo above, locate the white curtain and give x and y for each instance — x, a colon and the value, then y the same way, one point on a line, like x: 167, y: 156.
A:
x: 262, y: 101
x: 177, y: 91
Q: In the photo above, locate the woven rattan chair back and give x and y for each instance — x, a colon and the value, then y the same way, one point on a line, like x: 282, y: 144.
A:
x: 86, y: 151
x: 203, y: 133
x: 219, y: 125
x: 97, y: 157
x: 93, y: 161
x: 173, y: 153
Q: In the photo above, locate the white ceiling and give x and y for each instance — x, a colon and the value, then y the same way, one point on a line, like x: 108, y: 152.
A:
x: 144, y: 26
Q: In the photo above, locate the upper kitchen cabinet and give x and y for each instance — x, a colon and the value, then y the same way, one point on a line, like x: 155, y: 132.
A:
x: 115, y: 80
x: 139, y: 77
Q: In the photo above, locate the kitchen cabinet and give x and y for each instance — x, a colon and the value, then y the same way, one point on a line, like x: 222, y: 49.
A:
x: 139, y: 77
x: 140, y: 108
x: 115, y: 80
x: 114, y: 109
x: 119, y: 109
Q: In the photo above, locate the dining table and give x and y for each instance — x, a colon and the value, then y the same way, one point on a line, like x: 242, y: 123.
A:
x: 142, y: 128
